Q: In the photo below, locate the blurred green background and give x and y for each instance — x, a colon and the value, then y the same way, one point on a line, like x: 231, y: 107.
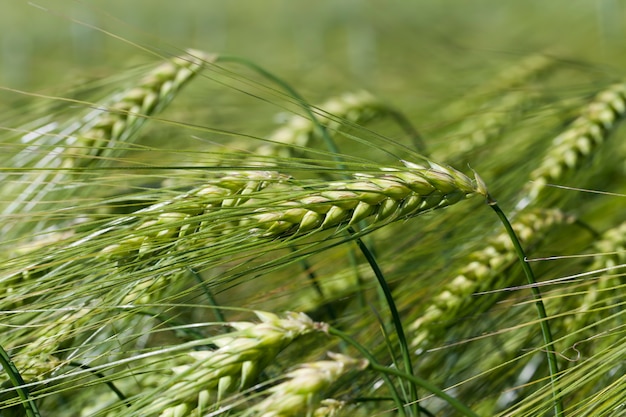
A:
x: 406, y: 51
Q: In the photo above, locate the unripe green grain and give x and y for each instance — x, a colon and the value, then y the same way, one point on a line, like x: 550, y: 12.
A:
x: 572, y: 147
x: 235, y: 365
x: 125, y: 116
x: 481, y: 273
x: 604, y: 296
x: 299, y: 131
x: 92, y: 141
x: 302, y: 392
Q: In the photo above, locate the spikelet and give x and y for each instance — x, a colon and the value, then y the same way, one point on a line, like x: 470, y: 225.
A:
x: 481, y: 273
x: 603, y: 297
x: 395, y: 195
x: 92, y: 141
x: 329, y: 408
x: 299, y: 131
x: 234, y: 366
x: 121, y: 119
x: 302, y: 393
x: 570, y: 149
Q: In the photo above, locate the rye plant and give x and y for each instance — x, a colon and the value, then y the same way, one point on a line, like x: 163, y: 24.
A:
x: 356, y: 260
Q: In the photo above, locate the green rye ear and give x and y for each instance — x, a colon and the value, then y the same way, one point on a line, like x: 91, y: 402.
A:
x: 171, y: 247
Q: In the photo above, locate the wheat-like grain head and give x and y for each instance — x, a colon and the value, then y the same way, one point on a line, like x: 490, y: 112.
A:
x: 305, y: 387
x: 299, y: 131
x: 482, y: 271
x: 571, y: 148
x: 119, y: 120
x: 393, y: 195
x: 90, y: 142
x: 603, y: 297
x: 234, y: 366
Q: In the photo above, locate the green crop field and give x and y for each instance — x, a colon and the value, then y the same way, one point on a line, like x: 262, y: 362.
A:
x: 333, y: 208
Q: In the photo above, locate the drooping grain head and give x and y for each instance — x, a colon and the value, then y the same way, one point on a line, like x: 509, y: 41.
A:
x: 119, y: 120
x: 299, y: 131
x: 240, y: 358
x: 481, y: 273
x: 305, y: 387
x: 394, y: 195
x: 603, y: 296
x: 572, y: 147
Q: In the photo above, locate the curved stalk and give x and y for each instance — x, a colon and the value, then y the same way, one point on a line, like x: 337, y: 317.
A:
x: 541, y: 310
x: 386, y: 371
x: 330, y: 144
x: 395, y: 317
x: 18, y: 383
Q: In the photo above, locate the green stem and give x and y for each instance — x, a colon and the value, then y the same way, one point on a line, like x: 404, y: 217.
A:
x: 330, y: 144
x: 330, y: 310
x: 385, y: 371
x: 16, y: 379
x: 395, y: 317
x: 541, y: 310
x: 212, y: 301
x: 100, y: 375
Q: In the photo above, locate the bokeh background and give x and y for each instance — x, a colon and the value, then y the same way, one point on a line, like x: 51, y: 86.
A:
x: 411, y: 52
